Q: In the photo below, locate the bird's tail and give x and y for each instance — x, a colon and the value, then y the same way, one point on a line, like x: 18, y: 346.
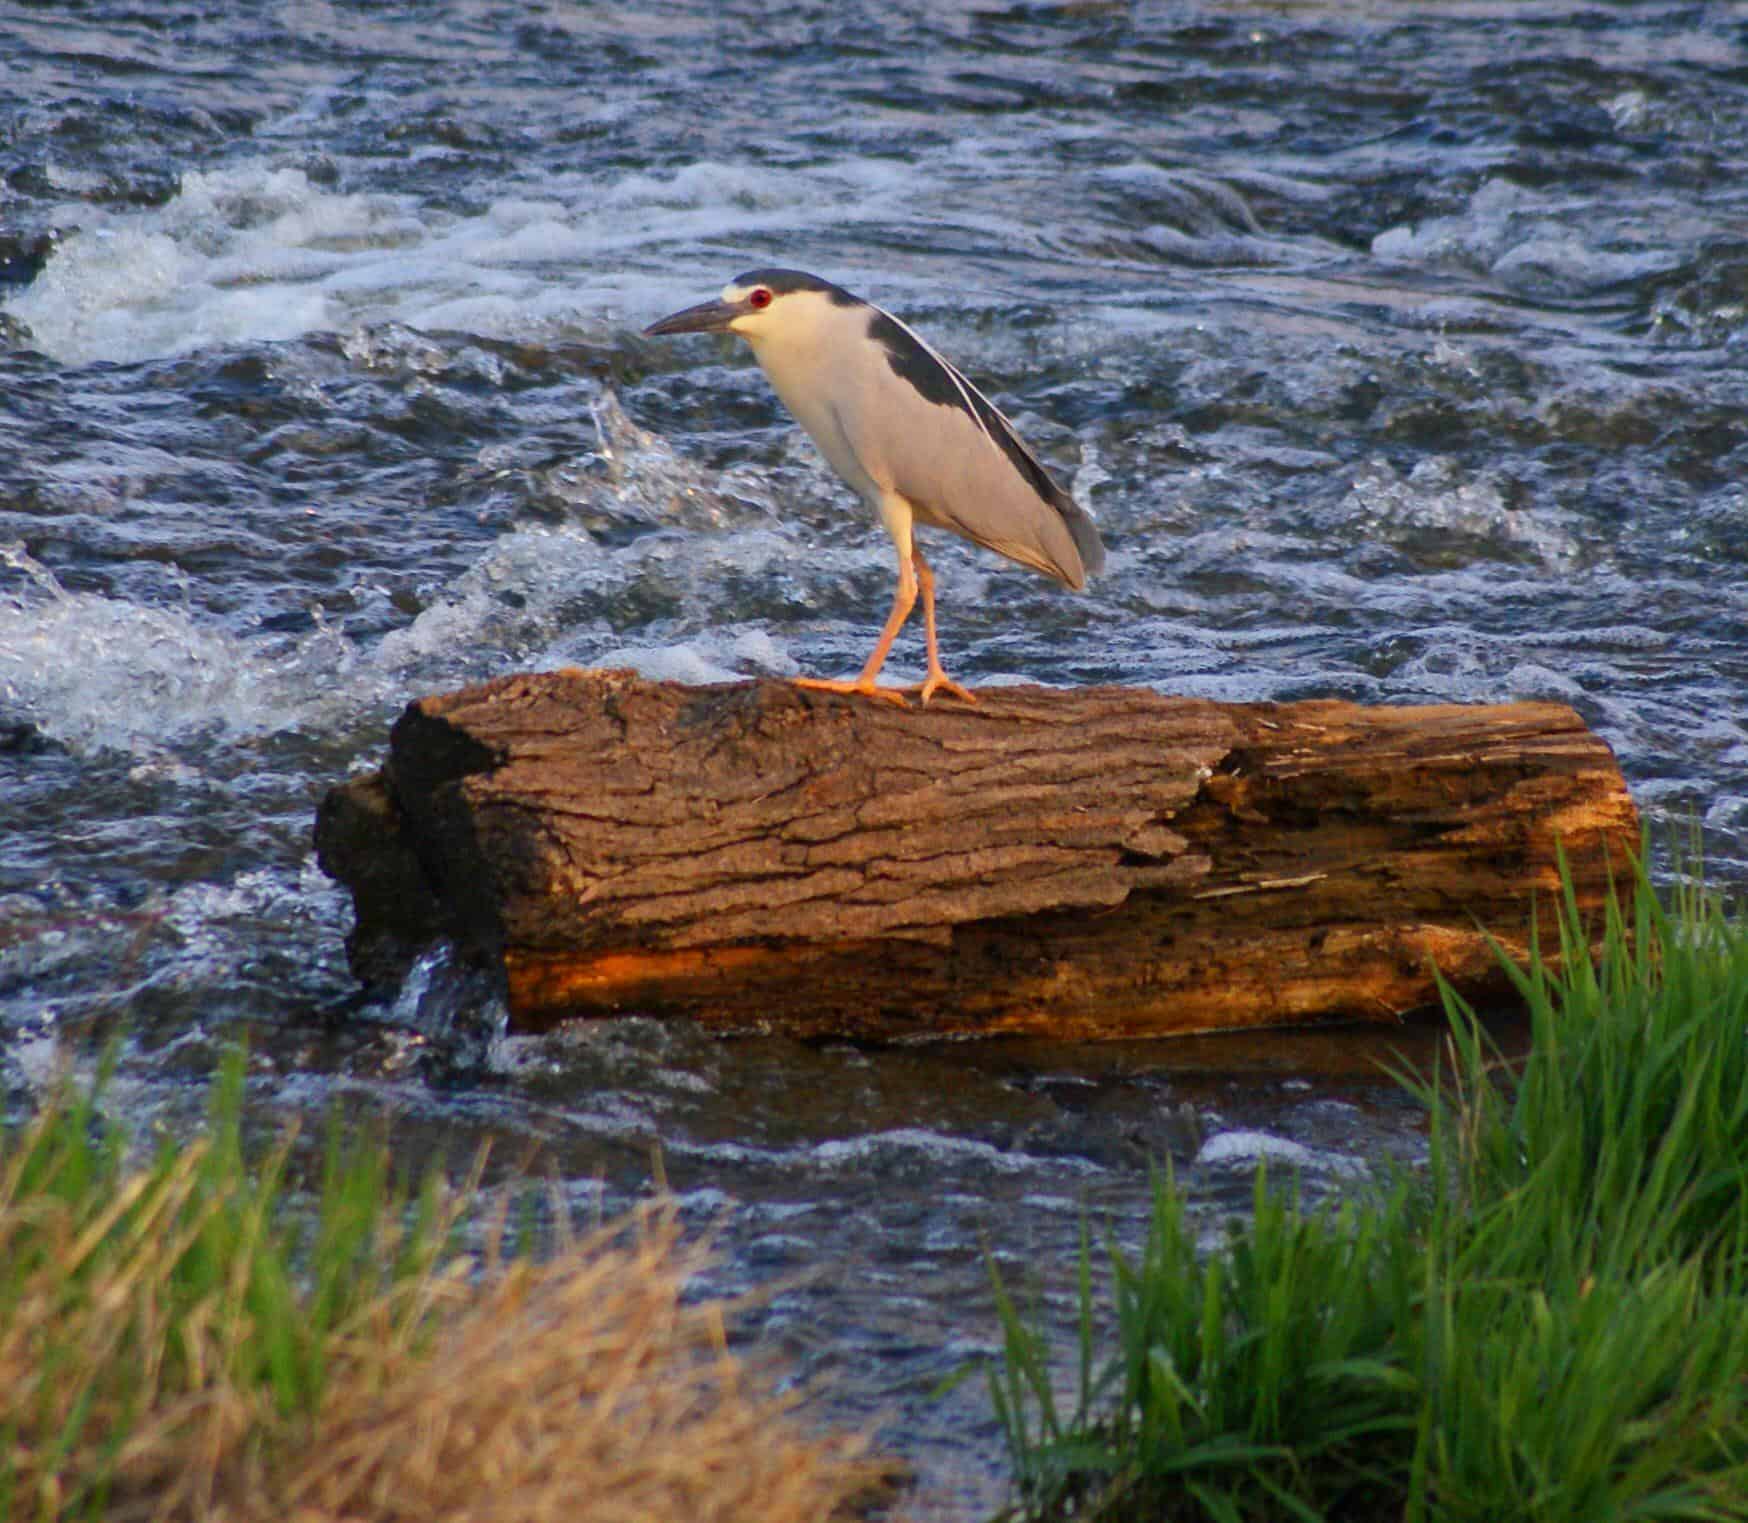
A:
x: 1086, y: 541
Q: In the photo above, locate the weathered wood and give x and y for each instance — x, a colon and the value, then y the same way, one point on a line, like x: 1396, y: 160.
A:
x: 1096, y: 863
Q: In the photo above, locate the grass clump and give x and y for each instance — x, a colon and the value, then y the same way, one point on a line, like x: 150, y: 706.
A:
x: 1240, y: 1382
x: 1625, y: 1135
x: 179, y: 1339
x: 1551, y: 1325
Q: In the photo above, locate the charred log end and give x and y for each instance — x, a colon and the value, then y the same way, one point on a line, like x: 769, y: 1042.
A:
x: 361, y: 841
x: 402, y: 840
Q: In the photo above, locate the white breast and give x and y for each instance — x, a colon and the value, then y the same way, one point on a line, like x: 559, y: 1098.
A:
x: 814, y: 369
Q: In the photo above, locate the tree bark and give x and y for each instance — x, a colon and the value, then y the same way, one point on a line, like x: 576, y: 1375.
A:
x: 1105, y: 862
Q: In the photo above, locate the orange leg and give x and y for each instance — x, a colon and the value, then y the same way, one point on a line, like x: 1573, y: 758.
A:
x: 903, y: 600
x: 938, y: 680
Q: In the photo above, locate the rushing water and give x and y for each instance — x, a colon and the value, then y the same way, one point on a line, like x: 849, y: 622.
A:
x: 1399, y: 349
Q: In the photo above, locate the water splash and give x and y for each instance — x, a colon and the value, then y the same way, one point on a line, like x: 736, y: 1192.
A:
x: 102, y: 673
x: 261, y: 252
x: 1534, y: 244
x: 1438, y: 503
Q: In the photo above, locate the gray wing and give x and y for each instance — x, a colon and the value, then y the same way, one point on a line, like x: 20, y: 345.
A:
x: 949, y: 451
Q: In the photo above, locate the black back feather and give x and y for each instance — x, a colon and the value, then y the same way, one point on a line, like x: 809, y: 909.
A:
x: 943, y: 383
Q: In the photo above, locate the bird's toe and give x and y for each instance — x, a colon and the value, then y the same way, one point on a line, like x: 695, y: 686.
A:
x: 940, y: 682
x: 858, y: 688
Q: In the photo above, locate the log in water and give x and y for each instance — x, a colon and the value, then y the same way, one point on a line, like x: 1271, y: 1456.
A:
x: 1107, y: 862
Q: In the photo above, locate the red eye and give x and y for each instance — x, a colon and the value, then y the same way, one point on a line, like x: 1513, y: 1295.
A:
x: 759, y: 300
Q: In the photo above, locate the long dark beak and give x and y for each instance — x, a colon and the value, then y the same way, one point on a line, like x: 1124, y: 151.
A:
x: 706, y: 317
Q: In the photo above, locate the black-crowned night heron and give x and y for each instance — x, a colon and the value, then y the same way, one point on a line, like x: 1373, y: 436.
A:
x: 916, y: 440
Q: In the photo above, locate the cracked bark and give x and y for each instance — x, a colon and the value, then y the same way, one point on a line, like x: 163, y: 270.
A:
x: 1104, y: 862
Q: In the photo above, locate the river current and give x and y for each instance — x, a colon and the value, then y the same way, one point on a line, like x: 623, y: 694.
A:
x: 1398, y: 348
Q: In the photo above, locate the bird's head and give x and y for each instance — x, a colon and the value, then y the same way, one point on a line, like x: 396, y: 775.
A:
x: 759, y: 305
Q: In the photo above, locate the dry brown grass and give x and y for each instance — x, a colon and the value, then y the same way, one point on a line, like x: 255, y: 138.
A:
x: 583, y: 1385
x: 580, y: 1387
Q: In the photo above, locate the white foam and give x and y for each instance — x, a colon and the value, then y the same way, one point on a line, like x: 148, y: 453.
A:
x: 1532, y: 680
x: 237, y: 254
x: 1438, y: 497
x: 98, y: 672
x: 516, y: 597
x: 260, y: 253
x: 907, y: 1145
x: 102, y: 673
x: 1532, y: 242
x: 1247, y: 1149
x: 725, y: 656
x: 901, y: 1147
x: 551, y: 597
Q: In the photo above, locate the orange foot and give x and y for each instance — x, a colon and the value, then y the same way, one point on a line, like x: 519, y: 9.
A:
x: 940, y: 682
x: 866, y: 689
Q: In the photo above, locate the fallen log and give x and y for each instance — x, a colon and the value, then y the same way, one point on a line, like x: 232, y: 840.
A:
x: 1105, y: 862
